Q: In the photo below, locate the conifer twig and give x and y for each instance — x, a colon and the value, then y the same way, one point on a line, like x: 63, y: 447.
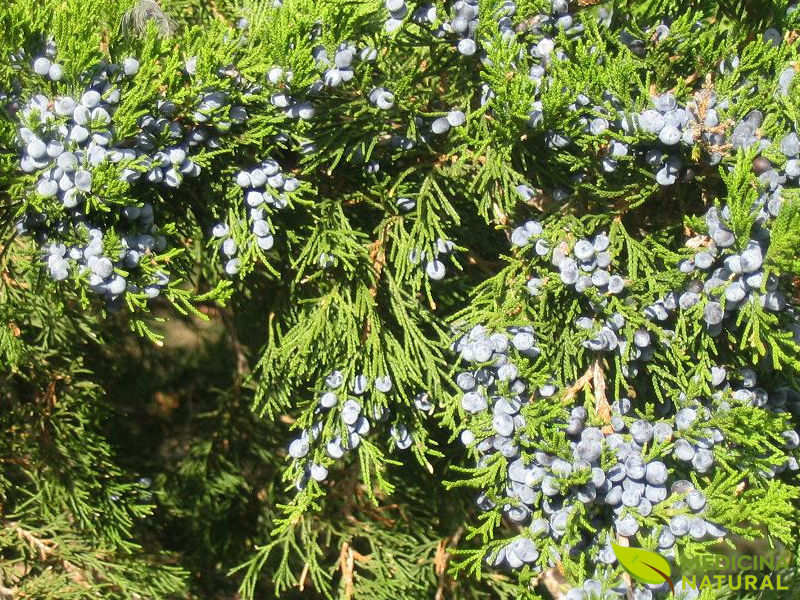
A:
x: 442, y: 559
x: 212, y: 6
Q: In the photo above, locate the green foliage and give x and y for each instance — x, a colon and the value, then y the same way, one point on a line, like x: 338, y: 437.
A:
x: 145, y: 447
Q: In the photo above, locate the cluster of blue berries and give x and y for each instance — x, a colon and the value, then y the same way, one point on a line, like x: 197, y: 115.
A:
x: 454, y: 118
x: 63, y: 140
x: 424, y: 14
x: 607, y: 474
x: 463, y: 25
x: 545, y: 28
x: 106, y: 266
x: 282, y: 99
x: 435, y: 267
x: 656, y: 34
x: 382, y: 98
x: 662, y: 130
x: 265, y: 187
x: 700, y: 121
x: 398, y: 11
x: 429, y: 130
x: 336, y: 73
x: 782, y: 400
x: 587, y: 266
x: 228, y: 249
x: 605, y: 587
x: 340, y: 69
x: 163, y: 146
x: 669, y: 127
x: 608, y: 478
x: 583, y: 266
x: 345, y: 409
x: 46, y: 66
x: 608, y: 336
x: 729, y: 279
x: 167, y: 165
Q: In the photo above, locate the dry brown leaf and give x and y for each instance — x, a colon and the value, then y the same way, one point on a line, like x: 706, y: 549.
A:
x: 377, y: 255
x: 164, y: 404
x: 217, y: 14
x: 576, y: 387
x: 599, y: 388
x: 553, y: 580
x: 698, y: 241
x: 346, y: 566
x: 441, y: 559
x: 302, y: 584
x: 104, y: 38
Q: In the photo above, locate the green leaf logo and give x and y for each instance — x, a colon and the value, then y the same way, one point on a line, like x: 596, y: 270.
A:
x: 643, y: 565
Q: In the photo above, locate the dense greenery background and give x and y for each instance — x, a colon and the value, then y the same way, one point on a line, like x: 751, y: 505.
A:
x: 144, y: 453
